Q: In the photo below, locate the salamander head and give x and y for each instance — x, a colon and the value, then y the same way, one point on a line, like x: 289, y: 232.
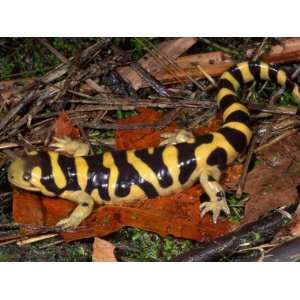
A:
x: 19, y: 174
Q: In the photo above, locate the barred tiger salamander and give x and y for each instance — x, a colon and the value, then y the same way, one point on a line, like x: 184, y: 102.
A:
x: 119, y: 176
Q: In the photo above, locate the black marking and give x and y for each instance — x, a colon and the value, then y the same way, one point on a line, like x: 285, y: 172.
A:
x: 236, y: 138
x: 210, y: 178
x: 84, y: 204
x: 218, y: 157
x: 156, y: 164
x: 204, y: 139
x: 238, y: 116
x: 186, y: 160
x: 290, y: 85
x: 237, y: 74
x: 225, y: 83
x: 47, y: 178
x: 273, y: 74
x: 98, y: 176
x: 254, y: 68
x: 220, y: 195
x: 227, y: 101
x: 67, y: 165
x: 204, y: 198
x: 128, y: 176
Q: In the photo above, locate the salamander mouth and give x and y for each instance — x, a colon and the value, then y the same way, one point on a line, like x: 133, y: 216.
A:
x: 15, y: 176
x: 22, y: 185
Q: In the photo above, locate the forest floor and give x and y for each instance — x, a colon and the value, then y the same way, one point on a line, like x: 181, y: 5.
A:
x: 123, y: 93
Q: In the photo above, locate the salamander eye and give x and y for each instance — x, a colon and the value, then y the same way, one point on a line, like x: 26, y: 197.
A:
x: 26, y: 177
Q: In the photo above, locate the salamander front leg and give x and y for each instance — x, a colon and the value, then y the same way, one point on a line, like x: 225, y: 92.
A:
x: 81, y: 212
x: 217, y: 199
x: 72, y: 147
x: 181, y: 136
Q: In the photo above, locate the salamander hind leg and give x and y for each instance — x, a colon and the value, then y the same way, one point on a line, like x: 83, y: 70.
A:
x: 81, y: 212
x: 217, y: 198
x: 72, y: 147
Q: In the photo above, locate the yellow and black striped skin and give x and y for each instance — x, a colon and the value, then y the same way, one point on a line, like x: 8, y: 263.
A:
x: 139, y: 174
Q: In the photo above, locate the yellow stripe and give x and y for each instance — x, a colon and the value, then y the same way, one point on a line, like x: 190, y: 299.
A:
x: 203, y: 151
x: 108, y: 162
x: 58, y: 174
x: 36, y: 175
x: 233, y: 107
x: 170, y: 159
x: 281, y: 77
x: 95, y: 195
x: 231, y: 79
x: 240, y: 127
x: 264, y: 71
x: 81, y: 171
x: 224, y: 92
x: 296, y: 94
x: 245, y: 71
x: 136, y: 193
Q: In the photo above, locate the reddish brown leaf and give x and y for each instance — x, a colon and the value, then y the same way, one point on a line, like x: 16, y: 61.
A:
x: 176, y: 215
x: 103, y: 251
x: 141, y: 138
x: 63, y: 126
x: 213, y: 124
x: 27, y: 208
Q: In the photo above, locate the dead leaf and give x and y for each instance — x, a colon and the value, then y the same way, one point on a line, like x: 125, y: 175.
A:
x: 10, y: 90
x: 176, y: 215
x: 27, y: 208
x: 273, y: 182
x: 103, y: 251
x: 63, y: 126
x: 141, y: 138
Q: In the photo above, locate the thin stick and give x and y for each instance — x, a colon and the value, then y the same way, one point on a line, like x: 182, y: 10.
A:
x: 260, y: 51
x: 36, y: 239
x: 154, y: 51
x: 219, y: 47
x: 53, y: 50
x: 51, y: 244
x: 27, y: 99
x: 208, y: 77
x: 8, y: 145
x: 242, y: 180
x: 150, y: 79
x: 277, y: 139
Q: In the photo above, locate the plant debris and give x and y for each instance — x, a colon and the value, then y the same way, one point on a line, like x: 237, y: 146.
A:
x: 124, y: 93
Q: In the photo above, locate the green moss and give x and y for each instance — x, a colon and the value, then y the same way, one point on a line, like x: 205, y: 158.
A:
x: 257, y: 162
x: 237, y: 208
x: 26, y: 57
x: 147, y: 246
x: 75, y: 252
x: 286, y: 99
x: 123, y: 114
